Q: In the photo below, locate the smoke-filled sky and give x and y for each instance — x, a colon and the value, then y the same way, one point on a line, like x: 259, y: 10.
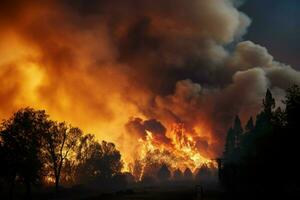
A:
x: 276, y: 25
x: 123, y: 68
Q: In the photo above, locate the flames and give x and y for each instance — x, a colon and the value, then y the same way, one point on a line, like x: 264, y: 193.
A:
x: 185, y: 145
x: 180, y: 152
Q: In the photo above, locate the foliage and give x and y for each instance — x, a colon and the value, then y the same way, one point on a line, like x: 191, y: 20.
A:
x: 36, y: 150
x: 21, y: 145
x: 259, y: 158
x: 59, y: 142
x: 96, y: 160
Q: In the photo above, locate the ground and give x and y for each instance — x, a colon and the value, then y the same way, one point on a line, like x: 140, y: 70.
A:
x: 178, y: 192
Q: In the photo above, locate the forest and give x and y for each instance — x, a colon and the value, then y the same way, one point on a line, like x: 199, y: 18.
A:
x: 261, y: 157
x: 39, y: 154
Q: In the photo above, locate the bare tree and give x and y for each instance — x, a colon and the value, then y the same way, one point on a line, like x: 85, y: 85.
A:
x: 60, y: 142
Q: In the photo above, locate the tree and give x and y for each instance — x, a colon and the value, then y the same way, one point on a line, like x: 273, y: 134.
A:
x: 130, y: 179
x: 264, y: 118
x: 60, y: 143
x: 204, y: 173
x: 268, y: 103
x: 229, y: 144
x: 136, y: 168
x: 97, y: 161
x: 233, y: 141
x: 290, y: 141
x: 250, y: 125
x: 237, y: 131
x: 177, y: 175
x: 164, y: 173
x: 188, y: 175
x: 86, y: 149
x: 292, y: 101
x: 275, y: 135
x: 21, y: 138
x: 279, y: 118
x: 110, y: 163
x: 3, y: 167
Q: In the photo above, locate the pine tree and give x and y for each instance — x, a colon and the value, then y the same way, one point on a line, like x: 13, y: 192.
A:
x: 238, y: 131
x: 188, y: 174
x: 268, y: 103
x: 229, y: 145
x: 264, y: 119
x: 177, y: 175
x: 250, y: 125
x: 292, y: 102
x: 164, y: 173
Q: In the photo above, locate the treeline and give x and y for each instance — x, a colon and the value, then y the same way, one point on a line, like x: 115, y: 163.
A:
x: 35, y: 150
x: 37, y: 153
x: 262, y: 157
x: 164, y: 175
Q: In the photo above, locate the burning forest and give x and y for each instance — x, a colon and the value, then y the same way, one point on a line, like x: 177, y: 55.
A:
x: 158, y: 82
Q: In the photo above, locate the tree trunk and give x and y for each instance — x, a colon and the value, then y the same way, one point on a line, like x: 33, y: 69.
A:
x: 57, y: 177
x: 57, y: 184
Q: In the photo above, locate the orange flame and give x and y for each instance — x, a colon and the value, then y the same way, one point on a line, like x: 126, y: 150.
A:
x: 181, y: 153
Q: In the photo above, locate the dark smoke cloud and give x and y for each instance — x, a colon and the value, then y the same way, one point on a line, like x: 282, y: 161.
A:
x: 139, y: 127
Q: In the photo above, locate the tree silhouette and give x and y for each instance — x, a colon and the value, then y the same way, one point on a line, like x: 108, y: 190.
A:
x: 97, y: 161
x: 292, y: 102
x: 233, y: 140
x: 250, y: 125
x: 177, y: 175
x: 164, y: 173
x: 3, y: 165
x: 137, y: 169
x: 188, y: 174
x: 21, y: 143
x: 268, y: 103
x: 237, y: 131
x: 274, y: 136
x: 204, y: 173
x: 110, y: 163
x: 60, y: 142
x: 35, y: 149
x: 264, y: 118
x: 290, y: 142
x: 84, y: 152
x: 229, y: 144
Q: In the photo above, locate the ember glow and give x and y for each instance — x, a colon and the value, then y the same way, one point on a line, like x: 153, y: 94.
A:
x: 154, y: 78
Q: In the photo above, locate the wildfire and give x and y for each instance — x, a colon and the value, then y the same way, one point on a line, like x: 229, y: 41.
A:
x: 180, y: 153
x: 186, y: 145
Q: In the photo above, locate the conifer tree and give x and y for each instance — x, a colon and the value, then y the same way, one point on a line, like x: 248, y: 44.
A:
x: 238, y: 131
x: 250, y: 125
x: 229, y: 144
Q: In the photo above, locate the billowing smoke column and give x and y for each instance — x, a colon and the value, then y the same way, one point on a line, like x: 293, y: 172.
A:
x: 138, y: 71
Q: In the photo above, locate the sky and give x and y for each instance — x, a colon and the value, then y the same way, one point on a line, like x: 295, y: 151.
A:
x: 276, y: 25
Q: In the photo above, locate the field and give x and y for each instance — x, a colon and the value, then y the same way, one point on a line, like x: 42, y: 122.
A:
x: 135, y: 192
x: 178, y: 192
